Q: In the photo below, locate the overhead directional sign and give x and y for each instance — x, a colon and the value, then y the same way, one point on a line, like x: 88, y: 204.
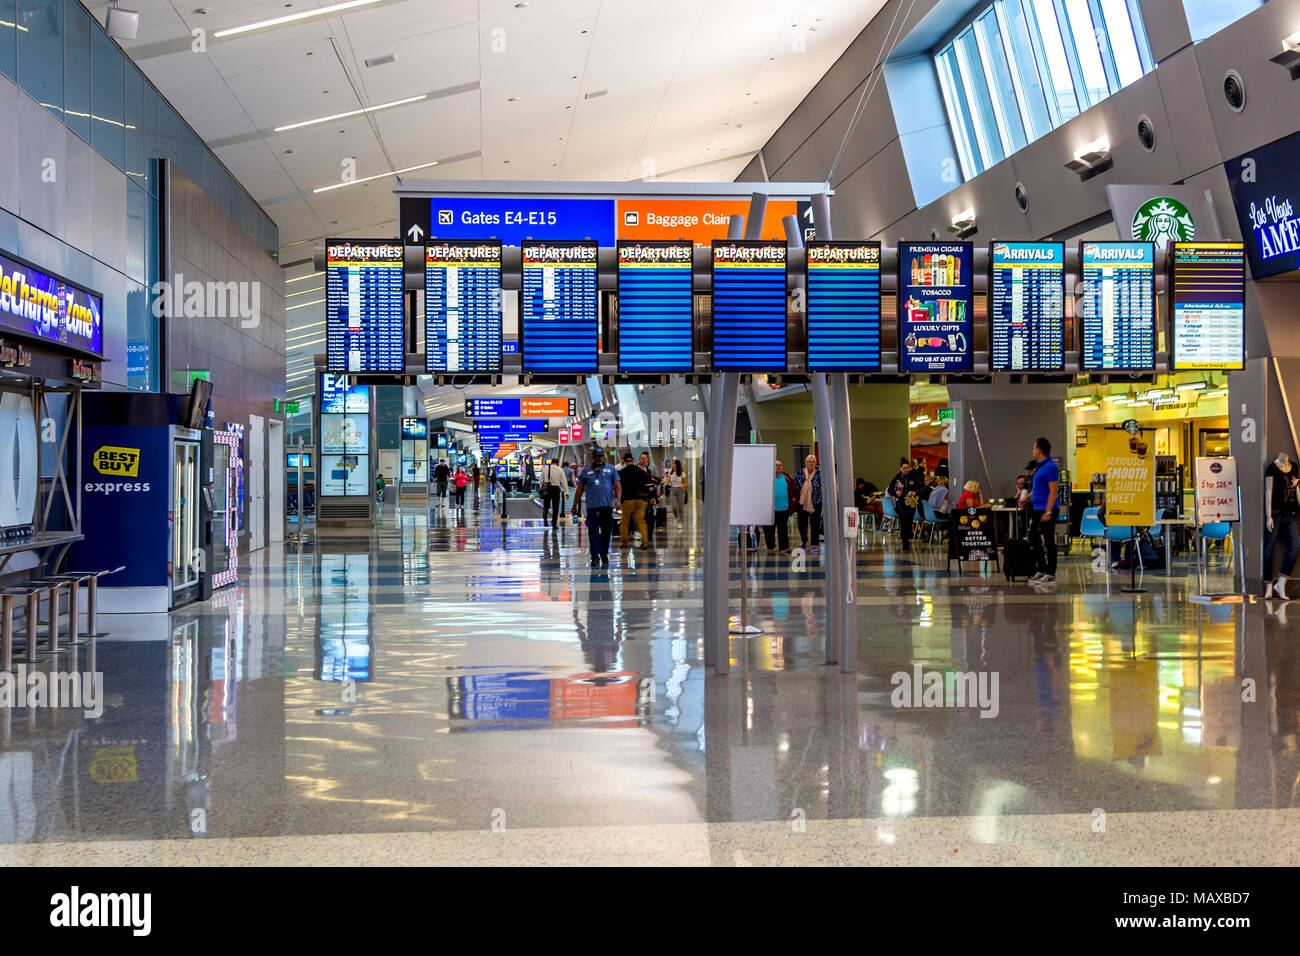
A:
x: 543, y: 406
x: 512, y: 220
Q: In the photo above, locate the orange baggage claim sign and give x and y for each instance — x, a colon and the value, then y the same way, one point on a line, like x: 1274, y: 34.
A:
x: 699, y: 220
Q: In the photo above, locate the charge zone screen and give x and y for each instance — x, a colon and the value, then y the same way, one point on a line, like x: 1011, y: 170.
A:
x: 365, y: 321
x: 844, y: 306
x: 462, y: 307
x: 560, y: 314
x: 655, y: 307
x: 749, y: 305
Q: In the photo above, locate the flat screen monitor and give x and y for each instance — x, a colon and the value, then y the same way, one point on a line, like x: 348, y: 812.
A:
x: 1207, y: 294
x: 462, y: 306
x: 656, y: 320
x: 365, y: 321
x: 594, y: 390
x: 560, y: 307
x: 749, y: 305
x: 843, y: 287
x: 1026, y: 306
x: 196, y: 412
x: 1117, y: 306
x: 935, y: 307
x: 293, y: 459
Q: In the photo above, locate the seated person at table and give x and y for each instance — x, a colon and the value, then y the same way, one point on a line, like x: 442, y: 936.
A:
x: 1023, y: 492
x: 939, y: 496
x: 970, y: 495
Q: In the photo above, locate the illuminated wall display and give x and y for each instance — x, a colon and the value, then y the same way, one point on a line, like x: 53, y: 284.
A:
x: 1027, y: 306
x: 1207, y: 296
x: 364, y: 313
x: 559, y: 314
x: 655, y: 307
x: 749, y: 305
x: 843, y: 306
x: 40, y: 305
x: 462, y: 306
x: 1117, y: 303
x: 935, y: 307
x: 344, y: 445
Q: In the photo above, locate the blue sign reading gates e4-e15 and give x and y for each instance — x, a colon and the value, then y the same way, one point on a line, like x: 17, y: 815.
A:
x: 514, y: 220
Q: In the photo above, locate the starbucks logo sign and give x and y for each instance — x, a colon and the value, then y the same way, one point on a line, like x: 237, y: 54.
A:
x: 1163, y: 220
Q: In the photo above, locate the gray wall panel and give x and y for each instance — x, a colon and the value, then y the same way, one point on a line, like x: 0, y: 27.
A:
x: 1166, y: 27
x: 871, y: 198
x: 42, y: 204
x: 1187, y: 128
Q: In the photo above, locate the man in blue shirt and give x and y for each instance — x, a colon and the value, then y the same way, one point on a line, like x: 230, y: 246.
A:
x: 1043, y: 512
x: 599, y: 481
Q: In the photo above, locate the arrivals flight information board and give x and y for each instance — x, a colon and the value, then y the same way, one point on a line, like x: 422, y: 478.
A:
x: 364, y: 316
x: 1027, y: 306
x: 1117, y: 303
x: 655, y: 307
x: 843, y: 306
x: 749, y: 305
x: 935, y: 307
x: 462, y: 306
x: 1208, y: 302
x: 559, y: 314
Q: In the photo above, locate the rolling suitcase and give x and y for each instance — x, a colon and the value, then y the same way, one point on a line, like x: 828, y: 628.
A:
x: 1017, y: 559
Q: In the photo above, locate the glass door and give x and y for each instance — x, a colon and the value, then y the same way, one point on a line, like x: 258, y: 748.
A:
x: 187, y: 554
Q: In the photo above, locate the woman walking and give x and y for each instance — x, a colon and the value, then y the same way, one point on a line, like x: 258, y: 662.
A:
x: 675, y: 484
x: 461, y: 481
x: 809, y: 482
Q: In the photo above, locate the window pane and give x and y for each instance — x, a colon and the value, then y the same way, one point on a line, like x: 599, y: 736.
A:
x: 1085, y: 44
x: 1029, y: 87
x: 9, y: 39
x: 108, y: 98
x: 1058, y: 79
x: 76, y: 69
x: 998, y: 72
x: 1119, y: 30
x: 972, y: 78
x: 1207, y: 17
x: 40, y: 52
x: 958, y: 114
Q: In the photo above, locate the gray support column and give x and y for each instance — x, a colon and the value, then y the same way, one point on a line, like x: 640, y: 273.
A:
x: 847, y: 595
x: 822, y: 415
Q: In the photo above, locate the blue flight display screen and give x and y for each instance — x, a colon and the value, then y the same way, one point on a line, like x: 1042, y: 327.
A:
x: 462, y: 306
x: 749, y: 305
x: 844, y: 306
x: 935, y: 306
x: 655, y: 307
x: 365, y: 322
x: 559, y: 315
x: 1027, y: 306
x: 1117, y: 305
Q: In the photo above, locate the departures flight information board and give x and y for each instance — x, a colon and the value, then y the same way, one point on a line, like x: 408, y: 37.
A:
x: 1208, y: 302
x: 462, y: 306
x: 1027, y: 306
x: 749, y: 305
x: 1117, y: 302
x: 560, y: 312
x: 655, y: 307
x: 364, y: 312
x: 843, y: 306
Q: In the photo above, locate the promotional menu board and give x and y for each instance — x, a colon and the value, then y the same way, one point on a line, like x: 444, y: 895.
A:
x: 935, y: 307
x: 462, y: 306
x: 655, y: 307
x: 749, y: 305
x: 344, y: 438
x: 559, y: 314
x: 843, y: 306
x: 1117, y: 302
x: 1027, y: 306
x: 364, y: 316
x: 1208, y: 304
x: 40, y: 305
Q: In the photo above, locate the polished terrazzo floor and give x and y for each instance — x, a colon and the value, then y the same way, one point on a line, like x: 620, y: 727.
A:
x: 448, y: 688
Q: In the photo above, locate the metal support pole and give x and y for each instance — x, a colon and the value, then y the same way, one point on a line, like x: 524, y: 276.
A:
x: 33, y: 612
x: 847, y: 595
x: 822, y: 417
x: 717, y: 520
x: 6, y: 632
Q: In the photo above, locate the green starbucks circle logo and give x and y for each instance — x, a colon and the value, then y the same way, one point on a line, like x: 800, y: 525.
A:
x: 1163, y: 220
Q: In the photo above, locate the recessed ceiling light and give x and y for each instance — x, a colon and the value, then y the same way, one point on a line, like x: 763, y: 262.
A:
x: 287, y: 151
x: 592, y: 96
x: 366, y: 179
x: 379, y: 60
x: 293, y: 17
x: 512, y: 99
x: 521, y: 4
x: 337, y: 116
x: 203, y: 11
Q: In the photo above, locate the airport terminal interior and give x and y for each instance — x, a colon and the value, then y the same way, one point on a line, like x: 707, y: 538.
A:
x: 709, y: 432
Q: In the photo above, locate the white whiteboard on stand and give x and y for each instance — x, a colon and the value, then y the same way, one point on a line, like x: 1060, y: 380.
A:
x: 753, y: 482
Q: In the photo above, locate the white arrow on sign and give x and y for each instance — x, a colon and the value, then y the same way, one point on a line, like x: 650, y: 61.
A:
x: 415, y: 232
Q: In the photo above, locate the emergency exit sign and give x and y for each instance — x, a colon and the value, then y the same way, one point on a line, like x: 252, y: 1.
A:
x: 947, y: 414
x: 289, y: 408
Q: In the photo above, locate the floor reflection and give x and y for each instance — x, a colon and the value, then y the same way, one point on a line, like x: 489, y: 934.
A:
x: 346, y: 686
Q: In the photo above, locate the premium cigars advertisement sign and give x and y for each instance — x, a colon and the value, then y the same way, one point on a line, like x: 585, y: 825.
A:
x: 935, y: 306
